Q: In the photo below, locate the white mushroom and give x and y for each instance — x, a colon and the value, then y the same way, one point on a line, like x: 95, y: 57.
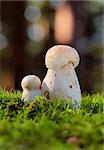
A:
x: 61, y: 79
x: 31, y: 85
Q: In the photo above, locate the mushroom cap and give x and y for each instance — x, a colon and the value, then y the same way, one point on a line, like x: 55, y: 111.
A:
x: 61, y: 55
x: 30, y: 82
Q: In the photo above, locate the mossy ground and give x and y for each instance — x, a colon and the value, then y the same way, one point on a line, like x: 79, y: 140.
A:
x: 50, y: 124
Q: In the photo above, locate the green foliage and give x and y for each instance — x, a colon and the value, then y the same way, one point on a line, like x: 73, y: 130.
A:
x: 50, y: 124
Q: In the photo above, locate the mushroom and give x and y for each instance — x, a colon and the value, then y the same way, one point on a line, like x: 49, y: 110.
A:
x: 31, y: 87
x: 61, y: 79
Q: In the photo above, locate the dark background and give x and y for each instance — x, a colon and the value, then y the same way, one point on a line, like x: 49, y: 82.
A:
x: 29, y: 28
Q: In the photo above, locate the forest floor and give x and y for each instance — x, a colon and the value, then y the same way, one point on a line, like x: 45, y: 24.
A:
x: 51, y: 124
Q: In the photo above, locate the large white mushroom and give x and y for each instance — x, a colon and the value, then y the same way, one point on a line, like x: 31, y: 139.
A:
x: 61, y: 79
x: 31, y: 86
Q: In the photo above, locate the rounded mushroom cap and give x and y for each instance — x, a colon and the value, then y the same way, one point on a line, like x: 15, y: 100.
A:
x: 61, y: 55
x: 30, y: 82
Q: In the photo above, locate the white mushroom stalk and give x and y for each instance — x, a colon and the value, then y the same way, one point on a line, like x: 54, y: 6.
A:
x: 31, y: 85
x: 61, y: 79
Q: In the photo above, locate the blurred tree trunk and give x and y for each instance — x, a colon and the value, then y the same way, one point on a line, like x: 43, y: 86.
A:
x: 81, y: 69
x: 13, y: 15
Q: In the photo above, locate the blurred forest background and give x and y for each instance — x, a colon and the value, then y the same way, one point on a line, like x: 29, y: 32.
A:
x: 29, y: 28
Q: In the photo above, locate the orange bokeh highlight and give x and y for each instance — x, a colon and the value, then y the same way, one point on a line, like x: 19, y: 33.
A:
x: 64, y: 24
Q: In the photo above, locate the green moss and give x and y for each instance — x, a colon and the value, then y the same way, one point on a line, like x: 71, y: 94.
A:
x: 48, y: 124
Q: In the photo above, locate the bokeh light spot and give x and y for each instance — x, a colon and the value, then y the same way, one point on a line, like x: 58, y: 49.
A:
x: 3, y: 41
x: 36, y: 32
x: 32, y: 13
x: 64, y: 24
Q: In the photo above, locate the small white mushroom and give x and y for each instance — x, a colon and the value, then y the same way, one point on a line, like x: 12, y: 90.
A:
x: 31, y: 85
x: 61, y: 79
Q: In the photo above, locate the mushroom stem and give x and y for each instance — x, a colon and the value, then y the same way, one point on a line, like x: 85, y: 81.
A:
x: 63, y: 83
